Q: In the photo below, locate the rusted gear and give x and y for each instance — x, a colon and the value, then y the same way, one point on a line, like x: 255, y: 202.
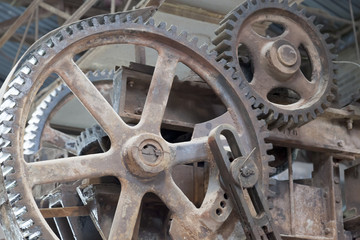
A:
x: 138, y: 171
x: 276, y: 59
x: 91, y: 141
x: 39, y: 123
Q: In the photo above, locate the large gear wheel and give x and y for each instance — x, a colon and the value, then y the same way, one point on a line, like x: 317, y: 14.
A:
x: 148, y: 170
x: 39, y: 123
x: 288, y: 73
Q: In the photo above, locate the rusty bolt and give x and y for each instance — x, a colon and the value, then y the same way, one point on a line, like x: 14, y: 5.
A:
x: 138, y: 111
x: 336, y: 180
x: 349, y: 123
x: 327, y: 231
x: 131, y: 84
x: 287, y: 55
x: 338, y: 200
x: 340, y: 143
x: 247, y: 172
x: 325, y: 194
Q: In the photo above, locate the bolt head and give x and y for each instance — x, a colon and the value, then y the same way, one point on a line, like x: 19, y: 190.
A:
x: 287, y: 55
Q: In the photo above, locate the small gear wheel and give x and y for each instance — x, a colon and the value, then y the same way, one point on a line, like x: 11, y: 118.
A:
x: 283, y: 60
x: 92, y: 140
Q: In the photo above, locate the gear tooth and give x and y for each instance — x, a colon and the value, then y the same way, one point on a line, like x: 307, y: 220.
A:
x: 272, y: 182
x: 311, y: 18
x: 140, y: 20
x: 302, y: 11
x: 330, y: 46
x: 268, y: 146
x: 183, y: 35
x: 204, y: 47
x: 286, y: 2
x: 150, y: 22
x: 272, y: 170
x: 95, y: 22
x: 326, y: 36
x: 230, y: 71
x: 330, y: 97
x: 319, y: 26
x: 222, y: 46
x: 173, y: 30
x: 294, y: 7
x: 162, y: 25
x: 107, y: 19
x: 312, y: 114
x: 194, y: 41
x: 226, y: 25
x: 256, y: 104
x: 258, y: 112
x: 222, y: 62
x: 84, y: 25
x: 129, y: 18
x: 213, y: 53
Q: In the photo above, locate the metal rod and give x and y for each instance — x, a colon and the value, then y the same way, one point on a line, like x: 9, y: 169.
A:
x: 23, y: 39
x: 112, y: 8
x: 36, y: 23
x: 55, y: 11
x: 18, y: 22
x: 127, y: 5
x: 291, y: 192
x: 354, y: 30
x: 80, y: 11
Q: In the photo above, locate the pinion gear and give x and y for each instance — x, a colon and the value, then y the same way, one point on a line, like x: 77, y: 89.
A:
x: 287, y: 70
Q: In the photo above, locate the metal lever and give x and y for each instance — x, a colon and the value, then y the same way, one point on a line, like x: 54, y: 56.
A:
x: 240, y: 178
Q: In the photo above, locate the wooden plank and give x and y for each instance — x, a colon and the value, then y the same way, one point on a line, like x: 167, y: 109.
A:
x: 65, y: 212
x: 80, y: 11
x: 55, y: 11
x: 18, y: 22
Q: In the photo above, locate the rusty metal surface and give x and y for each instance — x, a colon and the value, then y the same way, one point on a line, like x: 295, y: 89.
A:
x: 139, y: 156
x: 148, y: 169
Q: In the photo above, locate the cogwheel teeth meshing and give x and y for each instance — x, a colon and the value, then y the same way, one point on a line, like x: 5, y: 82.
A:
x: 282, y: 59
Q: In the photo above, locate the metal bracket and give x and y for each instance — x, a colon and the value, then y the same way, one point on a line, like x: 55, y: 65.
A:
x: 249, y: 201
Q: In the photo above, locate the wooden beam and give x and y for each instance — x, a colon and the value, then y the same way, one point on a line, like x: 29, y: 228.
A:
x: 55, y: 11
x: 18, y: 22
x: 80, y: 11
x: 65, y: 212
x: 191, y: 12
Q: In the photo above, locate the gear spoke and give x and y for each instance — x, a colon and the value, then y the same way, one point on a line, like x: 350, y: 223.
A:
x: 159, y: 92
x: 174, y: 198
x: 70, y: 169
x: 253, y: 41
x: 57, y: 138
x: 127, y: 212
x: 301, y: 85
x: 190, y: 152
x: 292, y: 37
x: 91, y: 98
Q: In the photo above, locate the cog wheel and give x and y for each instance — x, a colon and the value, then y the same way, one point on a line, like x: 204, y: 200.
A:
x: 91, y: 141
x: 149, y: 170
x: 39, y: 123
x: 287, y: 70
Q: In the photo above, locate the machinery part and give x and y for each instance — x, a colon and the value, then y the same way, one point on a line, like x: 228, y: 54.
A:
x: 92, y: 140
x: 134, y: 168
x: 239, y: 177
x: 289, y: 90
x: 39, y: 123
